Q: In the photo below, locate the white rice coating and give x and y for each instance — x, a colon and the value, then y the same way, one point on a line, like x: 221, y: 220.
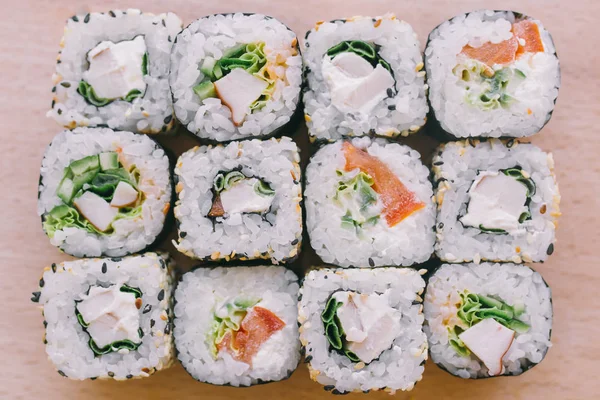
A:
x: 400, y: 47
x: 201, y: 290
x: 152, y: 113
x: 535, y: 95
x: 398, y: 368
x: 246, y: 236
x: 511, y: 283
x: 410, y: 241
x: 67, y: 343
x: 130, y: 234
x: 211, y: 36
x: 455, y: 168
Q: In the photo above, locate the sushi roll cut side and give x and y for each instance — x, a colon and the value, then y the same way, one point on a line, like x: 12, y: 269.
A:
x: 364, y: 77
x: 497, y: 201
x: 235, y: 76
x: 240, y: 201
x: 479, y: 327
x: 362, y: 329
x: 492, y: 74
x: 103, y: 192
x: 108, y: 317
x: 369, y: 203
x: 112, y: 71
x: 237, y: 326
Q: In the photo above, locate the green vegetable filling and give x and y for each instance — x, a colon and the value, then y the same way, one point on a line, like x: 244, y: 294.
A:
x: 333, y: 329
x: 99, y: 174
x: 119, y: 344
x: 224, y: 181
x: 357, y: 190
x: 250, y: 57
x: 477, y: 307
x: 228, y: 319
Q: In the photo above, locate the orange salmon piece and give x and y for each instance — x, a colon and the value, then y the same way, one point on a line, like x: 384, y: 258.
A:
x: 493, y: 53
x: 256, y: 328
x: 530, y: 32
x: 398, y: 201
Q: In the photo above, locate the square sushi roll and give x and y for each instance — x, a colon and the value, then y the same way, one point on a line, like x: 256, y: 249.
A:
x: 237, y: 326
x: 103, y: 192
x: 364, y: 77
x: 362, y: 329
x: 369, y: 203
x: 236, y: 76
x: 113, y: 70
x: 108, y: 317
x: 487, y: 320
x: 240, y: 201
x: 492, y: 74
x: 497, y: 201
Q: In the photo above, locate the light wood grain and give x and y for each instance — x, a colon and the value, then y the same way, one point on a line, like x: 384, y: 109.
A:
x: 29, y: 40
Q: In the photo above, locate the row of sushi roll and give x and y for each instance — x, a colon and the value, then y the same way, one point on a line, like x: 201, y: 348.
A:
x: 373, y: 210
x: 359, y: 329
x: 234, y: 76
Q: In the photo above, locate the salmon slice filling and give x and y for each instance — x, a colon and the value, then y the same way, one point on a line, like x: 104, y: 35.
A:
x: 398, y: 201
x: 506, y: 52
x: 240, y: 328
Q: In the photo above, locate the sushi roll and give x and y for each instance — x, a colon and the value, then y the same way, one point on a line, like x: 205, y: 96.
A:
x: 362, y: 329
x: 369, y: 203
x: 497, y: 201
x: 240, y: 201
x: 235, y: 76
x: 487, y: 320
x: 103, y: 192
x: 108, y: 317
x: 112, y: 70
x: 492, y: 74
x: 237, y: 326
x: 364, y: 77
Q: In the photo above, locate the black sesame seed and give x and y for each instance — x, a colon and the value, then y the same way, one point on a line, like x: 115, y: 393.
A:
x: 441, y: 225
x: 112, y: 14
x: 53, y: 267
x: 294, y: 242
x: 61, y: 373
x: 42, y: 283
x: 53, y: 89
x: 325, y: 277
x: 168, y: 119
x: 58, y: 61
x: 65, y: 84
x: 438, y: 163
x: 111, y: 374
x: 175, y: 41
x: 392, y: 107
x: 510, y: 143
x: 164, y: 23
x: 550, y: 249
x: 163, y: 265
x: 307, y: 45
x: 74, y: 18
x: 308, y: 359
x: 335, y: 391
x: 45, y: 323
x: 86, y: 19
x: 129, y: 376
x: 45, y: 341
x: 152, y: 323
x: 371, y: 262
x: 116, y: 259
x: 390, y: 92
x: 366, y: 391
x: 300, y: 297
x: 169, y: 38
x: 36, y: 297
x: 93, y: 378
x: 182, y: 234
x: 168, y: 328
x: 59, y: 111
x: 53, y: 103
x: 147, y: 309
x: 328, y: 387
x: 104, y: 268
x: 161, y: 295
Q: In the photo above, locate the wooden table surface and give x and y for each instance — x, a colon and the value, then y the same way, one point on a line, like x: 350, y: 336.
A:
x: 28, y: 45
